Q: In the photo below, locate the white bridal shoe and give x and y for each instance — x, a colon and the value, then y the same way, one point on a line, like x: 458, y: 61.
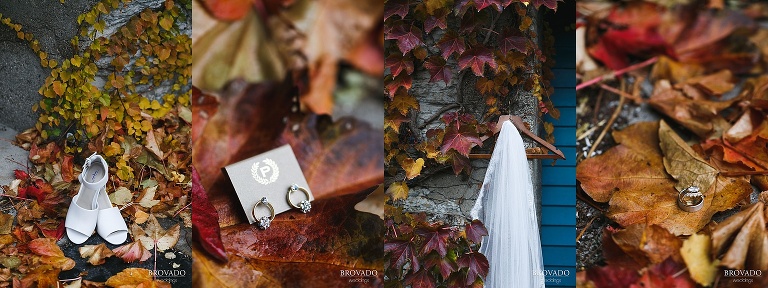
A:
x: 91, y: 208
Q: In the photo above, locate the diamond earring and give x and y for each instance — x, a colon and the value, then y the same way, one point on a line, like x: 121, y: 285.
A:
x: 304, y: 205
x: 263, y: 221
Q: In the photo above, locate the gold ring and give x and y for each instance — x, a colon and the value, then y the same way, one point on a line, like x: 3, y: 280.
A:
x: 304, y: 205
x: 690, y: 199
x: 263, y: 221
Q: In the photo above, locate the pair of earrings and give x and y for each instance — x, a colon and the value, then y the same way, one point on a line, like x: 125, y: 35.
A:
x: 264, y: 221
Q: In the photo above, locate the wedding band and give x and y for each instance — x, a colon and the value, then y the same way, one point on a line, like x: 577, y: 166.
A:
x: 690, y: 199
x: 263, y: 221
x: 304, y: 205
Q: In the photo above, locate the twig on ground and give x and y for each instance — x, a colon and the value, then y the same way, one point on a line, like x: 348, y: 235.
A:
x: 617, y: 73
x: 182, y: 209
x: 597, y: 105
x: 589, y: 201
x: 589, y: 224
x: 607, y: 125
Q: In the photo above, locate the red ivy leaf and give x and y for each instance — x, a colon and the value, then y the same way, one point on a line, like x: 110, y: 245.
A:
x: 460, y: 139
x: 477, y: 264
x: 551, y: 4
x: 53, y: 233
x: 435, y: 239
x: 476, y: 59
x: 396, y: 7
x: 20, y: 174
x: 399, y: 63
x: 438, y: 69
x: 420, y: 279
x: 475, y: 231
x: 205, y: 221
x: 612, y: 276
x: 401, y: 81
x: 443, y: 264
x: 433, y: 22
x: 459, y: 163
x: 482, y: 4
x: 451, y: 43
x: 408, y: 37
x: 401, y: 251
x: 510, y: 41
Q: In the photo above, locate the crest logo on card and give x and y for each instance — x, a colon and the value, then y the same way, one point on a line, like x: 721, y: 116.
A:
x: 265, y: 174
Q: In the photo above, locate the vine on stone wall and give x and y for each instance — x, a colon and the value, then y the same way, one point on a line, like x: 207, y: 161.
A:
x: 469, y: 42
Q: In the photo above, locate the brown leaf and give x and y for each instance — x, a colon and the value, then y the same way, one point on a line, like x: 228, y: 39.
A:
x: 155, y: 236
x: 299, y: 250
x: 682, y: 163
x: 6, y: 223
x: 631, y: 177
x: 96, y: 254
x: 743, y: 238
x: 41, y: 276
x: 132, y: 252
x: 135, y: 277
x: 648, y: 244
x: 699, y: 116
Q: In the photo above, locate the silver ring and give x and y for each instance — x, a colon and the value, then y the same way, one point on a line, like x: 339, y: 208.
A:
x: 263, y: 221
x: 304, y: 205
x: 690, y: 199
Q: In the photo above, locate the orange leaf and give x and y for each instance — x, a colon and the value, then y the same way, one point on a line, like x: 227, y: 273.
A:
x: 228, y: 10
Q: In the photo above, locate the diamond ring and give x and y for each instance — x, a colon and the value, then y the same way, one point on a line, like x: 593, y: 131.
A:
x: 263, y: 221
x: 690, y: 199
x: 304, y: 205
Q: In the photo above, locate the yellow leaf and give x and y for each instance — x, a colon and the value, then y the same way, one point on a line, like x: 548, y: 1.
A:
x: 58, y: 87
x: 96, y: 254
x: 398, y: 190
x: 695, y: 252
x: 412, y: 167
x: 403, y: 102
x: 166, y: 23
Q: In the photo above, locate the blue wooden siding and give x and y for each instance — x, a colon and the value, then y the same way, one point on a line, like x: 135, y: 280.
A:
x: 558, y: 200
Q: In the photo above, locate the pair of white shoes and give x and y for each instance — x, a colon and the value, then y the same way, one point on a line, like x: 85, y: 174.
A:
x: 91, y: 208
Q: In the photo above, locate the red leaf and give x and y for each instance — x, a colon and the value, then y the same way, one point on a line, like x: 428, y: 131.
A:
x: 398, y: 63
x: 205, y: 221
x: 228, y: 10
x: 511, y: 41
x: 612, y: 276
x: 20, y: 174
x: 443, y: 264
x: 205, y: 107
x: 482, y: 4
x: 666, y: 274
x: 475, y: 231
x: 476, y: 59
x: 460, y: 139
x: 477, y: 264
x: 420, y: 279
x: 433, y: 22
x: 551, y: 4
x: 407, y: 36
x: 435, y: 239
x: 50, y: 233
x: 401, y: 81
x: 396, y: 7
x: 400, y: 252
x: 459, y: 162
x: 67, y: 168
x: 438, y: 69
x: 451, y: 43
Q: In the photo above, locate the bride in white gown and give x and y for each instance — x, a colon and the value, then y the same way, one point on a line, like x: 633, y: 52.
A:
x: 506, y: 207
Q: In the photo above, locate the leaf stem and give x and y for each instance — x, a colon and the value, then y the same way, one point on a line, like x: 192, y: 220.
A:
x: 617, y: 73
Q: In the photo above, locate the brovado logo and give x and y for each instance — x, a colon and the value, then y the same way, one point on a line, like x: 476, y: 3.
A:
x: 168, y: 273
x: 743, y: 273
x: 552, y: 273
x: 359, y: 273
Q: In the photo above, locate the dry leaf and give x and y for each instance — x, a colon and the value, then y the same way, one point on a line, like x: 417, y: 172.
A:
x: 6, y: 223
x: 140, y: 217
x: 683, y: 163
x: 135, y: 277
x: 121, y: 196
x: 648, y: 244
x: 412, y: 167
x: 695, y: 252
x: 147, y: 201
x: 152, y: 145
x: 374, y: 203
x: 154, y: 236
x: 96, y: 254
x: 398, y: 190
x: 699, y: 116
x: 51, y: 253
x: 743, y: 238
x: 132, y: 252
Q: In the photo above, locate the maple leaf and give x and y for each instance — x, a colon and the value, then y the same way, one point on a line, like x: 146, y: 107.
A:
x: 394, y: 85
x: 459, y: 162
x: 742, y: 238
x: 482, y: 4
x: 51, y: 253
x: 451, y: 43
x: 394, y: 120
x: 476, y: 59
x: 611, y: 276
x: 41, y: 276
x: 404, y: 102
x: 396, y: 7
x: 665, y: 274
x: 154, y: 236
x: 398, y: 63
x: 461, y: 139
x: 682, y: 163
x: 485, y: 86
x: 133, y: 252
x: 412, y: 167
x: 433, y: 6
x: 408, y: 37
x: 551, y: 4
x: 699, y: 116
x: 135, y: 277
x: 438, y: 69
x: 475, y: 231
x: 205, y: 226
x: 476, y: 264
x: 398, y: 190
x: 401, y: 251
x: 96, y: 254
x: 420, y: 279
x: 435, y: 239
x: 433, y: 22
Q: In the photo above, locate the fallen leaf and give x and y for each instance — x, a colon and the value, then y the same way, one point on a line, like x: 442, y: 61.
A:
x: 699, y: 116
x: 140, y: 217
x: 152, y: 145
x: 51, y: 253
x: 611, y: 276
x: 121, y: 196
x: 132, y: 252
x: 96, y: 254
x: 41, y: 276
x: 695, y: 251
x: 743, y: 238
x: 682, y: 163
x: 155, y: 236
x: 148, y: 199
x: 135, y: 277
x: 374, y: 203
x: 666, y: 274
x: 205, y: 224
x: 6, y: 223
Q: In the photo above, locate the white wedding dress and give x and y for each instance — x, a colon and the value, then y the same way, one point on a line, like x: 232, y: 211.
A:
x: 506, y: 207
